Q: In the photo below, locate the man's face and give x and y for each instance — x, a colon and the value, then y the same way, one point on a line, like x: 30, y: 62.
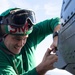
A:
x: 15, y: 43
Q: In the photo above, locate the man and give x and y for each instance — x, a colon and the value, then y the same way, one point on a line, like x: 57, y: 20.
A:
x: 20, y: 39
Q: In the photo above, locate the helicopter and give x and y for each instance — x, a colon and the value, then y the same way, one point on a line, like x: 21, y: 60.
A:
x: 66, y: 37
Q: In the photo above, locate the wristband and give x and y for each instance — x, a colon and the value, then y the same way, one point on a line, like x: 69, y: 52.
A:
x: 55, y: 34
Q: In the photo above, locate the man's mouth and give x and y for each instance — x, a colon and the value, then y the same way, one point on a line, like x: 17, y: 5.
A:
x: 17, y: 48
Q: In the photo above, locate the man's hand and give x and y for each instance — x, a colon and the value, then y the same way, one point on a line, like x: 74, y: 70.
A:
x: 47, y: 62
x: 54, y: 44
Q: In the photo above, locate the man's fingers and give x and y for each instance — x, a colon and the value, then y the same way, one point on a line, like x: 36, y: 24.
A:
x: 48, y: 51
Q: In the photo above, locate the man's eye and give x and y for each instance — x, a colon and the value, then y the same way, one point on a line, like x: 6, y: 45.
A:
x: 18, y: 39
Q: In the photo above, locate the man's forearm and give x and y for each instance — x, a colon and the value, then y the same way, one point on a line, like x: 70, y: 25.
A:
x: 57, y: 28
x: 40, y: 69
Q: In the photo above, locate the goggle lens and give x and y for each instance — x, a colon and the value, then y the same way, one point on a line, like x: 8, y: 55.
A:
x: 18, y: 18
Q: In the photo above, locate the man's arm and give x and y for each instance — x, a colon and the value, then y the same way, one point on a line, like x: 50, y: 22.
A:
x: 55, y: 38
x: 43, y: 29
x: 47, y: 63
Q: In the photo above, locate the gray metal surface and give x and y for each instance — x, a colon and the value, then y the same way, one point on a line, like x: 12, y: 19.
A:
x: 66, y: 41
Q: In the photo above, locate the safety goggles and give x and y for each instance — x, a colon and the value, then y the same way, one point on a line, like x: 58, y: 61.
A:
x: 18, y: 18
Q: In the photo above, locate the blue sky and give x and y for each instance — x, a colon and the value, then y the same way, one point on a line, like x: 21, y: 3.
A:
x: 44, y: 9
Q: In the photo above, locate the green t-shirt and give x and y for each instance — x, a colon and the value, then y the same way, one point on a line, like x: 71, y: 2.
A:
x: 24, y: 62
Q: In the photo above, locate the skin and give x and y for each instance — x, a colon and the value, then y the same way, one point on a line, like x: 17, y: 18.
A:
x: 47, y: 62
x: 15, y: 43
x: 55, y: 39
x: 49, y: 59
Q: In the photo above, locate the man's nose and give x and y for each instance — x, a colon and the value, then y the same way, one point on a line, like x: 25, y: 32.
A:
x: 21, y: 43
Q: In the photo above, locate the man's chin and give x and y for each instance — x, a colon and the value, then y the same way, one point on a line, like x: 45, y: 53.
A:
x: 17, y: 51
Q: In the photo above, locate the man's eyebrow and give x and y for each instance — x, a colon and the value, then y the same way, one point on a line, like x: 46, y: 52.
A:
x: 16, y: 37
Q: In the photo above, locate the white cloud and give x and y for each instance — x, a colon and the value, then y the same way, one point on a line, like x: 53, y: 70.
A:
x: 52, y: 9
x: 3, y: 5
x: 36, y: 7
x: 58, y: 72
